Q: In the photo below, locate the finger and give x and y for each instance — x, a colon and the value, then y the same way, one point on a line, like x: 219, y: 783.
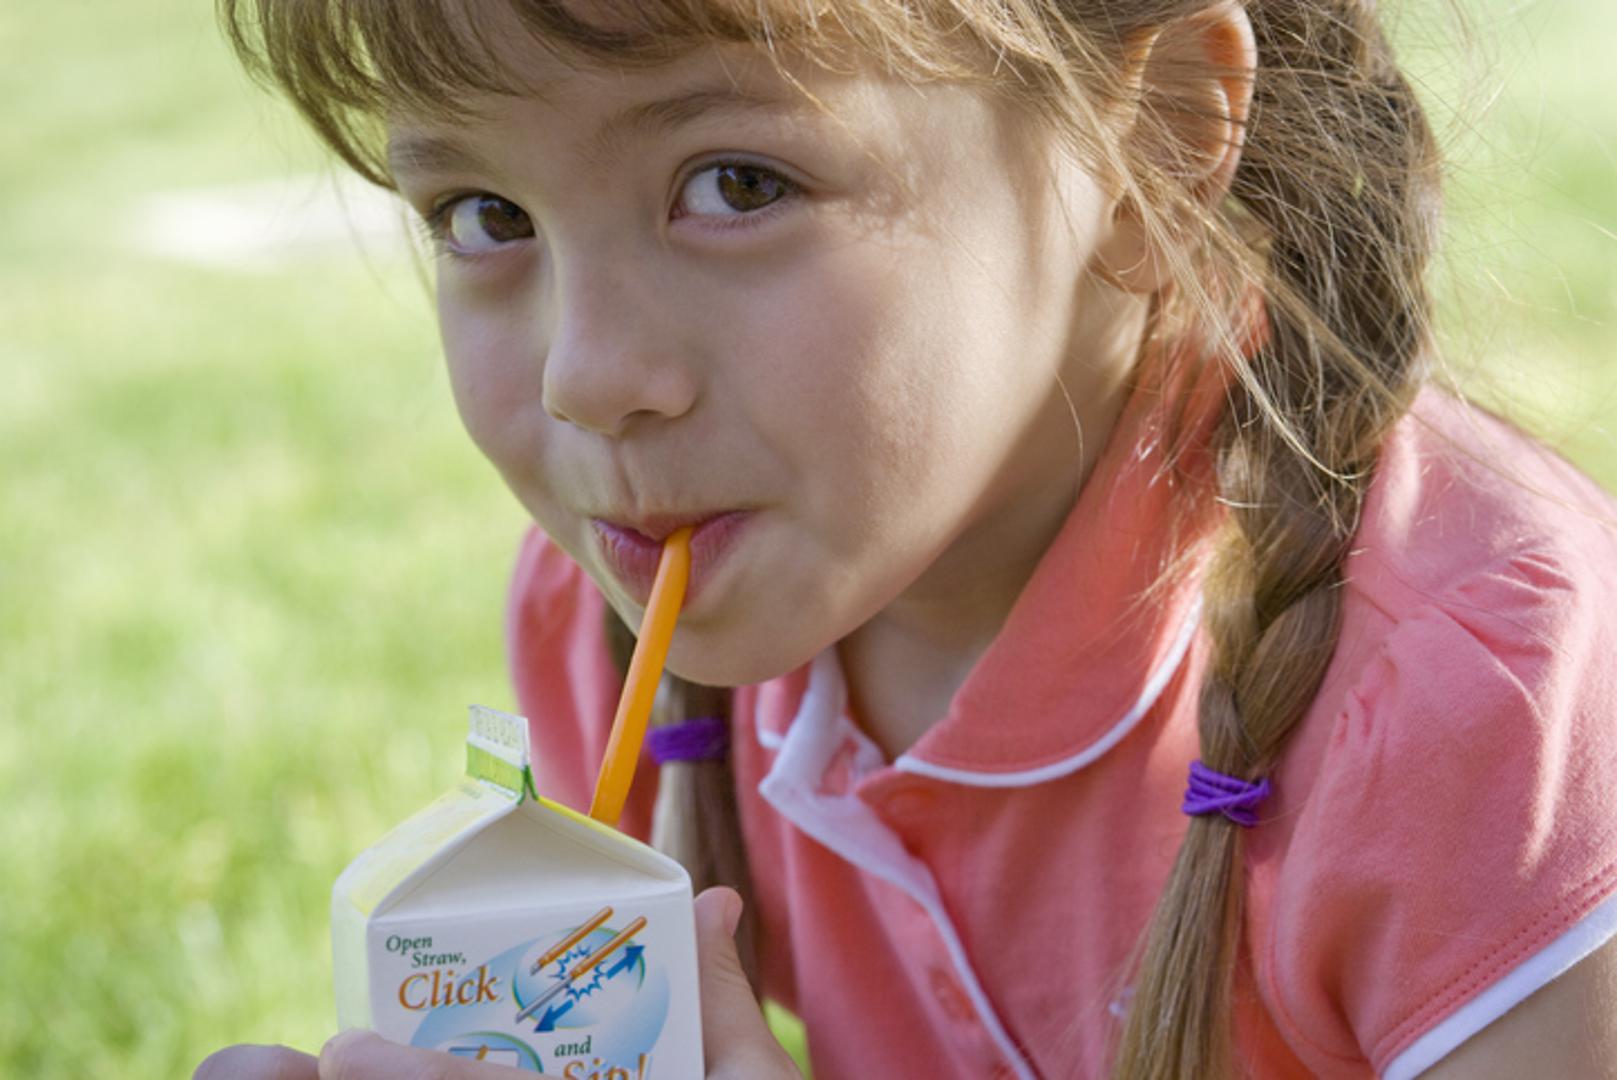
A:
x: 257, y: 1063
x: 365, y: 1055
x: 735, y: 1036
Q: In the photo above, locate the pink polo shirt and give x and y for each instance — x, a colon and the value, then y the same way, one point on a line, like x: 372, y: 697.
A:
x: 1442, y: 838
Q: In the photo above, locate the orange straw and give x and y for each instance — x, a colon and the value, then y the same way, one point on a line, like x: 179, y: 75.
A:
x: 640, y: 685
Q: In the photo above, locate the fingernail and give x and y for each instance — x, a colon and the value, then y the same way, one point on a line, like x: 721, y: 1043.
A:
x: 732, y: 913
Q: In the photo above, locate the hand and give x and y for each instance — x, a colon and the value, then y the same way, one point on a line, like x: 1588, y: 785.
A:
x: 257, y: 1063
x: 353, y: 1055
x: 737, y: 1040
x: 735, y: 1036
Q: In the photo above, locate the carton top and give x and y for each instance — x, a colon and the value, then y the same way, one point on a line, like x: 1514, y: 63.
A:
x: 492, y: 842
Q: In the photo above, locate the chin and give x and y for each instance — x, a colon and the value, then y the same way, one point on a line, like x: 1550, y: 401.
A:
x: 699, y: 659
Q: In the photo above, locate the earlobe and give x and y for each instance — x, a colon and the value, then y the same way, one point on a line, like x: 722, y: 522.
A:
x: 1127, y: 259
x: 1194, y: 78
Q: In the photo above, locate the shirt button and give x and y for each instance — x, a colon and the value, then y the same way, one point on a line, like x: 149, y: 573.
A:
x: 956, y: 1006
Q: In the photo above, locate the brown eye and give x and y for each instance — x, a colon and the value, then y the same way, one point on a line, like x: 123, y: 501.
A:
x: 479, y: 223
x: 729, y: 189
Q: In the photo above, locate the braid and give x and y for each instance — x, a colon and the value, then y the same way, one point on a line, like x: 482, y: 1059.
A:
x: 1339, y: 171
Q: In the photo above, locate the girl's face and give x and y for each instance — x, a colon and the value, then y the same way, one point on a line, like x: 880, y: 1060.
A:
x: 833, y: 343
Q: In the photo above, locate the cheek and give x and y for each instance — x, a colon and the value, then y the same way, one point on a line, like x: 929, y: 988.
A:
x: 901, y: 371
x: 855, y: 380
x: 496, y: 385
x: 867, y: 390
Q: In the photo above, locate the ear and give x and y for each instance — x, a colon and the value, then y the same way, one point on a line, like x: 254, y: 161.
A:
x: 1194, y: 78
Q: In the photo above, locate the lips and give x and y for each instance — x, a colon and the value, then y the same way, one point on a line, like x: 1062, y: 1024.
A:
x: 659, y: 527
x: 632, y: 548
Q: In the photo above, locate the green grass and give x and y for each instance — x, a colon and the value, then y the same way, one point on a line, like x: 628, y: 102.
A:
x: 251, y: 570
x: 1528, y: 275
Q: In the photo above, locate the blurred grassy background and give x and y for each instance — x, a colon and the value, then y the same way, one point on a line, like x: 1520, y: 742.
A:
x: 251, y: 570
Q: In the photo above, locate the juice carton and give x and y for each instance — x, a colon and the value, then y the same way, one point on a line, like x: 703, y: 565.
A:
x: 498, y: 925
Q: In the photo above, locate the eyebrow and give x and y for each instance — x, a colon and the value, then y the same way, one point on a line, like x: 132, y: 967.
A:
x: 438, y: 153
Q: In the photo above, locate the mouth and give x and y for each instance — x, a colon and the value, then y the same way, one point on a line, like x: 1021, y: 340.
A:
x: 657, y: 527
x: 631, y: 547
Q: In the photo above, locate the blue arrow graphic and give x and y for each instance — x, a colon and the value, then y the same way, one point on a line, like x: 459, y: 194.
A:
x: 552, y: 1014
x: 590, y: 963
x: 631, y: 957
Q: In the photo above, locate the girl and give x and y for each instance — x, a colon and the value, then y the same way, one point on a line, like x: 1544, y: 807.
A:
x: 1140, y: 670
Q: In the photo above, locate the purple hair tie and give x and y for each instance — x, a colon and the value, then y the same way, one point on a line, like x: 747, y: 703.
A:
x: 1212, y: 792
x: 704, y: 738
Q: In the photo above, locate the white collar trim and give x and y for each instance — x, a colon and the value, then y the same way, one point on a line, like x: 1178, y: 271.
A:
x: 845, y: 825
x: 825, y: 678
x: 1154, y: 685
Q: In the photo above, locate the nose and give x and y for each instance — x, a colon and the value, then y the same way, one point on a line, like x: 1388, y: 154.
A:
x: 613, y: 358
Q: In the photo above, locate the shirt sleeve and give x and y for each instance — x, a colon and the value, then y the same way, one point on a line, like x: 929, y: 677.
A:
x: 1450, y: 844
x: 565, y: 681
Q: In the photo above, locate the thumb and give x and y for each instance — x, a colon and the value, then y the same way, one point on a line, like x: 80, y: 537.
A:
x: 736, y: 1037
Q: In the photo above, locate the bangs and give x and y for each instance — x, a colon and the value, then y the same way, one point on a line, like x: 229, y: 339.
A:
x: 346, y: 64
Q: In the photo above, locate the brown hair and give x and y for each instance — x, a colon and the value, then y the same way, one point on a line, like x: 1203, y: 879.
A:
x: 1331, y: 218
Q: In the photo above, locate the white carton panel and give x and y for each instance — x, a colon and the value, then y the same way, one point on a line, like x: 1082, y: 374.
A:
x: 501, y: 926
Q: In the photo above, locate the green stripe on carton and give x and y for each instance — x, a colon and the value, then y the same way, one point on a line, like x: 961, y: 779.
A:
x: 484, y: 765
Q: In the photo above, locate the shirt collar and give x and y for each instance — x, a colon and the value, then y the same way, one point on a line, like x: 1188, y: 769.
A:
x: 1080, y: 661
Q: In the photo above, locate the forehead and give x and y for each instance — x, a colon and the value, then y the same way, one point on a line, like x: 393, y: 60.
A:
x: 565, y: 53
x: 603, y: 107
x: 591, y: 108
